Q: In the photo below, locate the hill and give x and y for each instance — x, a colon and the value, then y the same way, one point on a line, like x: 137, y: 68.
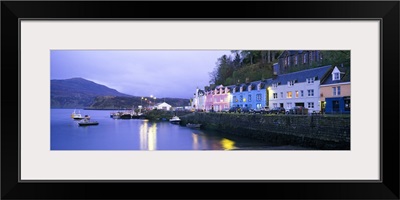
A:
x: 78, y: 93
x: 82, y: 93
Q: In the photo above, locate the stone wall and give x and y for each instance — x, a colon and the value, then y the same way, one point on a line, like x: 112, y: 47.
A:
x: 315, y: 131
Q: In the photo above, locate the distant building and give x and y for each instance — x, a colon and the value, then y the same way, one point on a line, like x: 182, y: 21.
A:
x: 252, y: 95
x: 298, y: 58
x: 163, y: 106
x: 199, y: 100
x: 335, y: 92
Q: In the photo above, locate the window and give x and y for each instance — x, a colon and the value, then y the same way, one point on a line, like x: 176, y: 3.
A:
x: 249, y: 88
x: 275, y: 95
x: 275, y: 85
x: 281, y: 94
x: 290, y: 83
x: 289, y: 95
x: 235, y: 99
x: 304, y: 58
x: 336, y: 91
x: 297, y: 94
x: 259, y: 86
x: 310, y: 104
x: 310, y: 80
x: 295, y: 60
x: 336, y: 76
x: 241, y: 98
x: 258, y: 106
x: 249, y: 97
x: 310, y: 93
x: 302, y: 93
x: 258, y: 97
x: 234, y: 90
x: 241, y: 89
x: 288, y: 105
x: 274, y: 105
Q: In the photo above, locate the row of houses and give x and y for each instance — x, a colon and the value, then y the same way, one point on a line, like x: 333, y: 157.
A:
x: 323, y: 89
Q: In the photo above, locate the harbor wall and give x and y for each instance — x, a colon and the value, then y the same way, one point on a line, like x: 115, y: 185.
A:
x: 314, y: 131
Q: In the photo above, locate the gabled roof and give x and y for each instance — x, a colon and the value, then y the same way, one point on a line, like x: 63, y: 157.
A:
x: 300, y: 76
x: 344, y: 76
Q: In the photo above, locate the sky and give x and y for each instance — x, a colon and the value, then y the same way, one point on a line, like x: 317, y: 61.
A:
x: 169, y: 73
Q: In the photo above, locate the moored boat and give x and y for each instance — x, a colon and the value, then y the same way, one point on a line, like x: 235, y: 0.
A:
x: 87, y: 122
x: 76, y: 116
x: 190, y: 125
x: 175, y: 119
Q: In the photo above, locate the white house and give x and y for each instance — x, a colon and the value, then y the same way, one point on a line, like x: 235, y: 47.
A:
x: 199, y: 100
x: 300, y: 88
x: 163, y: 106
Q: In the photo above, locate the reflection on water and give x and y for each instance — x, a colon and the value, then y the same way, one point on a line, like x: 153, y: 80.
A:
x: 227, y: 144
x: 148, y: 136
x: 137, y: 134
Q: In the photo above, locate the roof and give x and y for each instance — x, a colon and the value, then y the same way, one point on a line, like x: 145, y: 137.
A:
x: 301, y: 76
x: 344, y: 76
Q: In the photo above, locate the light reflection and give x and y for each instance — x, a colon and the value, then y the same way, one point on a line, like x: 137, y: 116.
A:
x: 195, y: 141
x: 148, y: 136
x: 227, y: 144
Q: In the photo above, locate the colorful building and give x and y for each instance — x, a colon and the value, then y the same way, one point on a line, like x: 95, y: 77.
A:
x: 300, y: 88
x: 335, y: 92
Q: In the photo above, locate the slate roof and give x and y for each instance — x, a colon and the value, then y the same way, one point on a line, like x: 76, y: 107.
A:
x: 344, y: 76
x: 301, y: 76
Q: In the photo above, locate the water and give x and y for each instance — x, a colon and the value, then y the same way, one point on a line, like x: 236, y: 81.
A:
x: 139, y: 134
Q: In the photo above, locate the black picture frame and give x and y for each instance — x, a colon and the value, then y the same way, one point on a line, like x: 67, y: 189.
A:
x: 386, y: 11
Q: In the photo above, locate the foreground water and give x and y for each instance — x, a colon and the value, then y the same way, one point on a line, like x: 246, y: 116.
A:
x: 139, y: 134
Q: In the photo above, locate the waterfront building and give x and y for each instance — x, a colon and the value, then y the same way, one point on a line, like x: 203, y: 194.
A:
x: 163, y: 106
x: 335, y: 91
x: 300, y: 88
x: 209, y: 100
x: 220, y: 99
x: 199, y: 100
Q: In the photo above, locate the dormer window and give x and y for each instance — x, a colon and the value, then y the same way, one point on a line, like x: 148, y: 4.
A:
x: 234, y: 90
x: 310, y: 80
x: 304, y: 58
x: 336, y: 76
x: 290, y: 83
x: 241, y: 89
x: 249, y: 88
x: 259, y: 86
x: 275, y: 85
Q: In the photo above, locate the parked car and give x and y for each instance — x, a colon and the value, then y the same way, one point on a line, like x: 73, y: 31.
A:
x: 234, y: 109
x: 298, y: 110
x: 260, y: 111
x: 245, y: 110
x: 277, y: 110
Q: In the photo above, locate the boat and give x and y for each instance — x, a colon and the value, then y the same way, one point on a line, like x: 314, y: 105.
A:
x: 190, y: 125
x: 87, y: 122
x: 175, y: 119
x: 76, y: 116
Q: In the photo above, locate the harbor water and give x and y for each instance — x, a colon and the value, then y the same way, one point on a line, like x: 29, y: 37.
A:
x: 142, y: 134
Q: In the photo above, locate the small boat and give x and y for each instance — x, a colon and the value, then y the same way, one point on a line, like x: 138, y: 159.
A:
x: 190, y: 125
x: 87, y: 122
x: 175, y: 119
x: 76, y: 116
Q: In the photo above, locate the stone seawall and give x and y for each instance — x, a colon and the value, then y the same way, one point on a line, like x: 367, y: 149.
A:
x: 315, y: 131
